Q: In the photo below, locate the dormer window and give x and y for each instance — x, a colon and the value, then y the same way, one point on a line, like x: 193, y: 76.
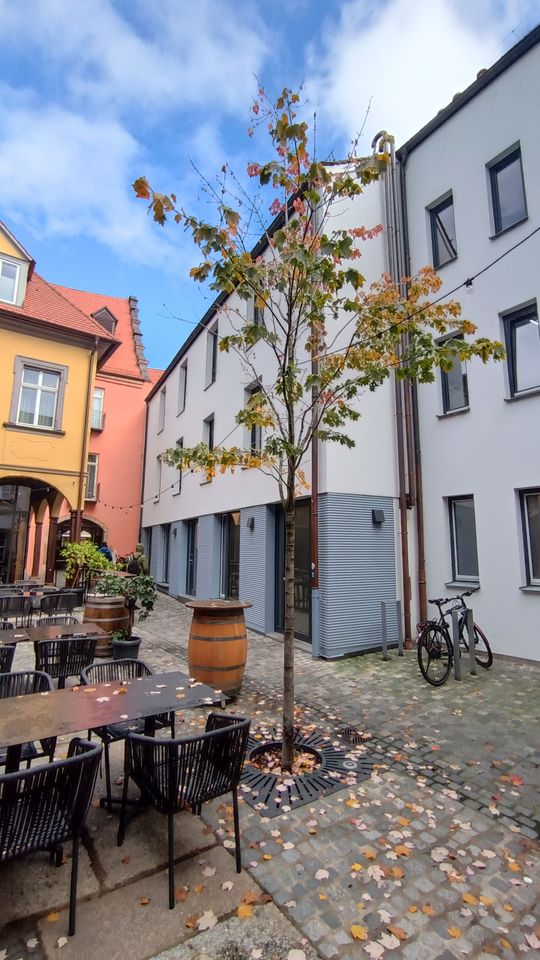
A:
x: 106, y: 319
x: 9, y: 273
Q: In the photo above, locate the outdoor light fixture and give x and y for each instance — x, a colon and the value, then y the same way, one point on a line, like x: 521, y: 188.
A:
x: 250, y: 523
x: 377, y: 517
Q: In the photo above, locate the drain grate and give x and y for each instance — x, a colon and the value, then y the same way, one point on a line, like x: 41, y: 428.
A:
x: 271, y: 795
x: 353, y: 735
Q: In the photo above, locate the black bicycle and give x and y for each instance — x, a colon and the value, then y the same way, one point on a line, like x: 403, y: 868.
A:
x: 435, y: 648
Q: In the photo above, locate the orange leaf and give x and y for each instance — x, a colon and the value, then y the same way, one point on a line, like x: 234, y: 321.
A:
x: 428, y: 910
x: 358, y: 932
x: 404, y: 822
x: 245, y: 910
x: 191, y: 921
x: 454, y: 932
x: 267, y: 856
x: 144, y: 901
x: 52, y: 917
x: 397, y: 932
x: 508, y: 907
x: 252, y: 896
x: 470, y: 898
x: 505, y: 943
x: 198, y: 888
x: 486, y: 901
x: 402, y: 850
x: 180, y: 894
x: 413, y: 908
x: 397, y: 873
x: 370, y: 854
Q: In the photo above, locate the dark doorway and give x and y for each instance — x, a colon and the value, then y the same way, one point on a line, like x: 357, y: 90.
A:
x: 302, y: 572
x: 230, y: 555
x: 166, y: 539
x: 191, y: 558
x: 14, y: 513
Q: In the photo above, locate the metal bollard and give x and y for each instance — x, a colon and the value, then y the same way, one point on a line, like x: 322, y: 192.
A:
x: 384, y: 631
x: 472, y: 650
x: 399, y: 628
x: 455, y: 640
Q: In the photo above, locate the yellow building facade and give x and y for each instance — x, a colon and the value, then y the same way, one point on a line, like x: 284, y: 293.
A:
x: 49, y: 354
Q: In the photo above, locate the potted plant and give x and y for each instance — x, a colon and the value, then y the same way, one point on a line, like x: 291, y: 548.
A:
x: 138, y: 592
x: 125, y: 645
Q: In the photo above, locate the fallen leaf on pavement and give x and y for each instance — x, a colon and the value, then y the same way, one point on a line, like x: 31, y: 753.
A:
x: 322, y: 875
x: 245, y: 910
x: 144, y: 901
x: 52, y: 917
x: 388, y: 941
x: 470, y: 898
x: 454, y: 932
x: 180, y: 894
x: 227, y: 885
x: 359, y: 932
x: 296, y: 955
x: 398, y: 932
x: 207, y: 921
x: 428, y: 910
x: 191, y: 921
x: 198, y: 887
x: 374, y: 950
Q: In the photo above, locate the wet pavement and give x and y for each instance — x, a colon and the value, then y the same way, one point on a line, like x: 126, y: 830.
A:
x: 435, y: 856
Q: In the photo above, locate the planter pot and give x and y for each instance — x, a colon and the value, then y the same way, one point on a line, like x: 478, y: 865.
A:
x: 111, y: 614
x: 126, y: 649
x: 217, y: 647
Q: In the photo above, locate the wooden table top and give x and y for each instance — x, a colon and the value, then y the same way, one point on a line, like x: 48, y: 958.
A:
x: 51, y: 714
x: 55, y: 632
x: 218, y: 604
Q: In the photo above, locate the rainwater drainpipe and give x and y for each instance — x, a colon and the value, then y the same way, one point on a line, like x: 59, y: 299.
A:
x: 396, y: 262
x: 314, y: 515
x: 84, y: 453
x: 414, y: 425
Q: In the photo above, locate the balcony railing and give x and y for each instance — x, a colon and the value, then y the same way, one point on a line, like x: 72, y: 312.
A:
x: 97, y: 420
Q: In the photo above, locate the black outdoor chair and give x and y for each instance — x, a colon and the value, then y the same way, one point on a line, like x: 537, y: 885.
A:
x: 17, y: 607
x: 6, y: 625
x: 175, y: 774
x: 43, y: 808
x: 23, y: 683
x: 27, y: 584
x: 78, y: 592
x: 7, y: 652
x: 57, y: 603
x: 10, y: 592
x: 113, y: 671
x: 65, y: 657
x: 56, y: 621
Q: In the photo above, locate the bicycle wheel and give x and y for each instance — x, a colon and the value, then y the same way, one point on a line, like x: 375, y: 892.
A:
x: 482, y: 649
x: 434, y: 655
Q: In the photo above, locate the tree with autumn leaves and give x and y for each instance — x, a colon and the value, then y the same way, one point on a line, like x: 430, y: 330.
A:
x: 329, y: 333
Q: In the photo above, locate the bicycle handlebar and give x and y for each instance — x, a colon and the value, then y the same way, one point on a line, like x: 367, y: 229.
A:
x: 442, y: 601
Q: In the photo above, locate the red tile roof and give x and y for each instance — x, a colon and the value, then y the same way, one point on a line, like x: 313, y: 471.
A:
x: 45, y: 303
x: 124, y: 361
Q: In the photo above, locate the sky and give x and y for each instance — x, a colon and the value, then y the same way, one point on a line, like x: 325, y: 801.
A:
x: 95, y: 93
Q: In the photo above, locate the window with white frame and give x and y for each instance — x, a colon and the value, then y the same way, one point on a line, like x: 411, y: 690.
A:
x: 161, y: 412
x: 98, y: 416
x: 522, y: 335
x: 463, y: 538
x: 91, y: 477
x: 208, y: 432
x: 455, y: 390
x: 507, y: 190
x: 38, y: 394
x: 530, y: 513
x: 9, y: 274
x: 254, y: 433
x: 443, y: 231
x: 159, y: 471
x: 182, y: 387
x: 211, y: 354
x: 178, y: 485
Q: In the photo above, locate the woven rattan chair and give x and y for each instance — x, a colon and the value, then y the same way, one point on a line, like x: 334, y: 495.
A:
x: 6, y: 625
x: 113, y: 671
x: 57, y: 603
x: 58, y: 621
x: 174, y: 775
x: 17, y: 607
x: 64, y: 658
x: 23, y: 683
x: 78, y: 592
x: 43, y: 808
x: 7, y: 652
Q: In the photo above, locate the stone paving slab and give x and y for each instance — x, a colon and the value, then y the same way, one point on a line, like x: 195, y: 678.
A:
x: 267, y: 935
x: 119, y: 926
x: 34, y: 886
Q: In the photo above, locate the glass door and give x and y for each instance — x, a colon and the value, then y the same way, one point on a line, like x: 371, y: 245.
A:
x: 302, y: 572
x: 191, y: 559
x: 230, y: 555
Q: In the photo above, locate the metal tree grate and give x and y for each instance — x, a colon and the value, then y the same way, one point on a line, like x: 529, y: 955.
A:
x: 338, y: 768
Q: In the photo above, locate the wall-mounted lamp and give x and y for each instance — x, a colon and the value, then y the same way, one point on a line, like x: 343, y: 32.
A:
x: 377, y: 517
x: 175, y: 531
x: 250, y: 523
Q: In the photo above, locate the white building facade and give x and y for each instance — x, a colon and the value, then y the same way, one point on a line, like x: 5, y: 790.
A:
x: 470, y: 192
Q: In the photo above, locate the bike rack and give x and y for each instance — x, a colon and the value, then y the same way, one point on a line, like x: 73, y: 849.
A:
x: 469, y: 623
x: 384, y: 629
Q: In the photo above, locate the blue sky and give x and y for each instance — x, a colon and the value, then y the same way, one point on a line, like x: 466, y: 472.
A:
x: 94, y: 93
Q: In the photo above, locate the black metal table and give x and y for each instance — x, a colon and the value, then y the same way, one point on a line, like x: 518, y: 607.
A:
x: 40, y: 715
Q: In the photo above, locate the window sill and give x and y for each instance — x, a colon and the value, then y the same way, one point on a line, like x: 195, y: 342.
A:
x: 533, y: 392
x: 446, y: 263
x: 500, y: 233
x: 177, y: 493
x: 452, y: 413
x: 530, y: 588
x: 466, y: 584
x: 26, y: 428
x: 203, y: 483
x: 211, y: 384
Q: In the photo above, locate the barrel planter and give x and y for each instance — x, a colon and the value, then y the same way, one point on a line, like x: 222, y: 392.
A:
x: 217, y: 647
x: 111, y: 614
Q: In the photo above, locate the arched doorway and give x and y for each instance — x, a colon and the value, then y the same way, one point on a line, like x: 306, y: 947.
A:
x: 27, y: 504
x: 90, y: 530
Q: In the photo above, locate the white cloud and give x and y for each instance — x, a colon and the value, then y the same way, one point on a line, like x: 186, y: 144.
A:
x: 62, y: 174
x: 408, y: 58
x: 167, y: 55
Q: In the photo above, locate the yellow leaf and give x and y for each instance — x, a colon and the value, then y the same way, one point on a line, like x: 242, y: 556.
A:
x: 402, y: 850
x: 470, y: 898
x: 198, y: 888
x: 245, y: 910
x: 358, y: 932
x: 413, y: 908
x: 427, y: 909
x: 508, y: 907
x: 454, y: 932
x: 322, y: 896
x: 144, y: 901
x: 52, y: 917
x: 357, y: 867
x: 514, y: 867
x: 486, y: 901
x: 397, y: 873
x: 505, y: 943
x: 370, y: 854
x: 404, y: 822
x: 267, y: 856
x: 352, y: 803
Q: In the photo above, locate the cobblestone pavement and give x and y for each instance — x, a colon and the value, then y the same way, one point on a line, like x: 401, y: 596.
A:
x: 436, y: 856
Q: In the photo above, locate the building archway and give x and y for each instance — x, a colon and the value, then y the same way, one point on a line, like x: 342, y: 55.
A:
x: 26, y: 504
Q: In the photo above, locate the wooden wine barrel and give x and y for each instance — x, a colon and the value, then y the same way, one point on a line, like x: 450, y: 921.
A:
x: 217, y: 647
x: 111, y: 614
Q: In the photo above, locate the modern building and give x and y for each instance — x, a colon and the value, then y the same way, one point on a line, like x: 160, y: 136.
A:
x: 442, y: 492
x: 49, y: 354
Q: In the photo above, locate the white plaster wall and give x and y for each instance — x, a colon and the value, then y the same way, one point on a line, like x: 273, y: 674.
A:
x: 494, y: 449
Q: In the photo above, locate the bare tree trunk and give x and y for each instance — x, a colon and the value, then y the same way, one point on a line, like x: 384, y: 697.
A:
x: 287, y: 753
